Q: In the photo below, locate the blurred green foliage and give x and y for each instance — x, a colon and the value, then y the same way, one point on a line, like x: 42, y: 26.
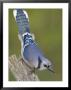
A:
x: 46, y: 24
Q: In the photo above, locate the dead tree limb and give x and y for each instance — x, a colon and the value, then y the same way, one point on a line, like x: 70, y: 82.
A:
x: 20, y: 71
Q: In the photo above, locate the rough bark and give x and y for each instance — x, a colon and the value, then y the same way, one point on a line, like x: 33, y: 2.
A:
x: 20, y: 70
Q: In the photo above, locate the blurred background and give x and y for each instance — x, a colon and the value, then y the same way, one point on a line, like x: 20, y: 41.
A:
x: 46, y: 24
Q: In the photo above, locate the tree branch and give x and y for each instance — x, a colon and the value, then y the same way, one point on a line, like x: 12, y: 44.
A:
x: 20, y: 70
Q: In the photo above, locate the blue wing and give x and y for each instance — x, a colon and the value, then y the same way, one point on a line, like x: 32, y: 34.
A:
x: 31, y: 51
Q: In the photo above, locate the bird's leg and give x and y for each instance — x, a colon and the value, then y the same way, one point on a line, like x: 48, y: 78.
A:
x: 32, y: 71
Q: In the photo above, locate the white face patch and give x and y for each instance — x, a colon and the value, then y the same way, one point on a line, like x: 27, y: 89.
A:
x: 42, y: 67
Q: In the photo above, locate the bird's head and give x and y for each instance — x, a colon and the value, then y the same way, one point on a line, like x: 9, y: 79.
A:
x: 46, y: 64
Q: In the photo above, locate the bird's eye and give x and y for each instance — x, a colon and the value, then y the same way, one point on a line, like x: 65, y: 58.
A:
x: 45, y: 65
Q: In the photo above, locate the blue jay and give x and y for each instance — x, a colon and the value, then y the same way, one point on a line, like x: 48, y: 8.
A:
x: 30, y: 52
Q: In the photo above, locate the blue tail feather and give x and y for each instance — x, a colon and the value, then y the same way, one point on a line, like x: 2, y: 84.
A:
x: 22, y: 21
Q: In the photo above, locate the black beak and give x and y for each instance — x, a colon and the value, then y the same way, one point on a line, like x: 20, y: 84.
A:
x: 50, y: 68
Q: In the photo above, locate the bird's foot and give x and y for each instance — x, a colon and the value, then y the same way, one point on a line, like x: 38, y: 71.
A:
x: 32, y: 71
